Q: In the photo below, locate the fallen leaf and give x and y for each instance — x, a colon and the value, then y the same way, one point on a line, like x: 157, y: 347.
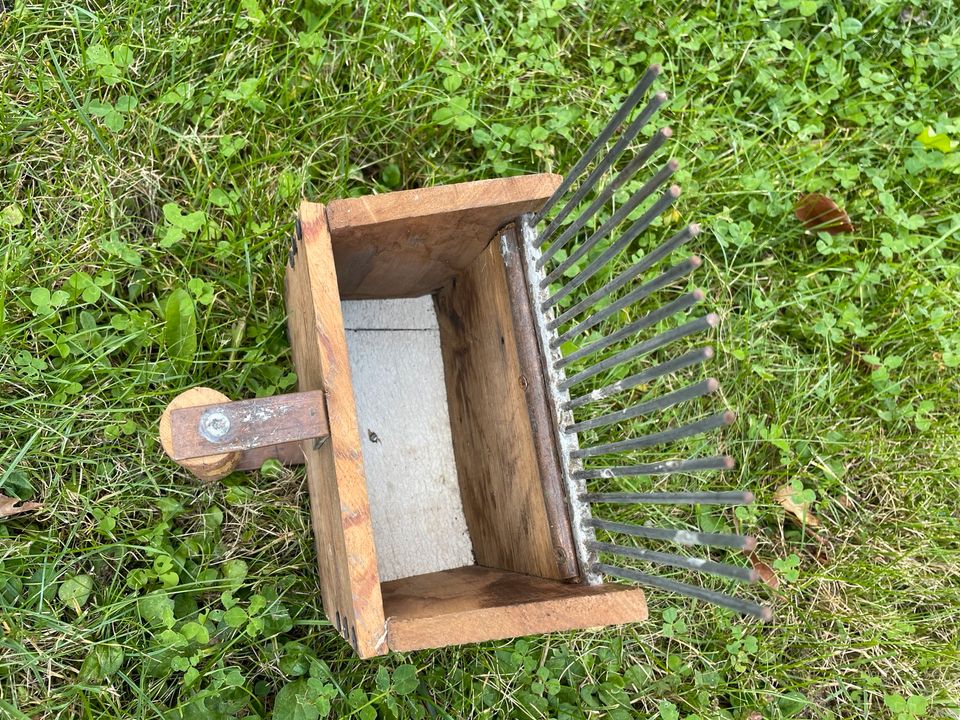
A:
x: 818, y: 212
x: 13, y: 506
x: 765, y: 572
x: 801, y: 511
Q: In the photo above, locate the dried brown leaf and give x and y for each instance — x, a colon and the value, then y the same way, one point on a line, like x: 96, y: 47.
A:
x: 818, y: 212
x: 13, y: 506
x: 765, y: 572
x: 801, y: 511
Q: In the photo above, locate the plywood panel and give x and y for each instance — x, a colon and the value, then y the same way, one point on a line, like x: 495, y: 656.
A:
x: 474, y: 604
x: 339, y: 506
x: 411, y: 242
x: 492, y: 436
x: 397, y: 368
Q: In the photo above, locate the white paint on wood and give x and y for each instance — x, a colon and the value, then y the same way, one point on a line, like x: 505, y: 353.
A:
x: 411, y: 473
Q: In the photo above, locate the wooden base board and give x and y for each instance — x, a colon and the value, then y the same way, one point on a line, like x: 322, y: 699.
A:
x: 411, y: 474
x: 475, y: 604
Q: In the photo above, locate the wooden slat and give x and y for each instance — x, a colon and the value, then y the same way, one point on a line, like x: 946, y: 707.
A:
x: 475, y: 604
x: 338, y: 496
x: 412, y: 242
x: 493, y: 441
x: 538, y: 404
x: 253, y: 423
x: 286, y: 453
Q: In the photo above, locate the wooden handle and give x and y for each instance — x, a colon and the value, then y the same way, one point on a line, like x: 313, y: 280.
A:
x: 208, y: 467
x: 203, y: 431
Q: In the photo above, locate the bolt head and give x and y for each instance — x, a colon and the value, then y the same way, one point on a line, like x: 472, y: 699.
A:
x: 214, y: 425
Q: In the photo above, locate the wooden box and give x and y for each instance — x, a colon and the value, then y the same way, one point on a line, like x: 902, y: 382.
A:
x: 504, y: 516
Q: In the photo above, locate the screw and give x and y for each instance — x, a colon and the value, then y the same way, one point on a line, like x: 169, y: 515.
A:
x: 214, y: 425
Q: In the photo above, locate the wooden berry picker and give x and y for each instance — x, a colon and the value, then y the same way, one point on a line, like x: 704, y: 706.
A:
x: 484, y: 390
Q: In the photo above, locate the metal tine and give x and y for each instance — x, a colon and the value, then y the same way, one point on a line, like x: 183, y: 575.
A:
x: 664, y: 467
x: 669, y: 435
x: 691, y: 357
x: 640, y: 159
x: 690, y: 392
x: 619, y: 215
x: 673, y: 307
x: 744, y: 607
x: 680, y: 537
x: 694, y: 326
x: 661, y: 558
x: 661, y: 281
x: 629, y: 104
x: 722, y: 497
x: 646, y: 262
x: 643, y: 117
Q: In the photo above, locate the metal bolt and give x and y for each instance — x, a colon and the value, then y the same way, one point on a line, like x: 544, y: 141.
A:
x: 214, y: 425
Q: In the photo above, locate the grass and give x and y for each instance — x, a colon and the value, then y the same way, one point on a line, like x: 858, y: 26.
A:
x: 148, y: 148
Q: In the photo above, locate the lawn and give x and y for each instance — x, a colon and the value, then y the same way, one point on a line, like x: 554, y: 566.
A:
x: 149, y: 149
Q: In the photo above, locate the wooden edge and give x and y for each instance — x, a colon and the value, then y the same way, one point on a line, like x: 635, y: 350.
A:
x: 343, y: 534
x: 416, y: 203
x: 248, y: 424
x: 414, y: 242
x: 538, y: 407
x: 580, y: 607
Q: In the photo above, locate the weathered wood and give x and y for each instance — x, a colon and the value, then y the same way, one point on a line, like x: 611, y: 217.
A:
x: 210, y: 467
x: 538, y: 407
x: 343, y: 533
x: 473, y: 604
x: 253, y: 423
x: 492, y: 437
x: 412, y: 242
x: 286, y: 454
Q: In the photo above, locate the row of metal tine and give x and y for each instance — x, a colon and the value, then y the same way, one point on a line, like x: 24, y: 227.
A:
x: 597, y: 252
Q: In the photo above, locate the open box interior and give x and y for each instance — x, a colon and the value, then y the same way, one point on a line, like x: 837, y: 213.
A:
x: 436, y: 471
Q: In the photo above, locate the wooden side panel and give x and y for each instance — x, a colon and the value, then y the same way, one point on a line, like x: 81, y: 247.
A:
x: 412, y: 242
x: 475, y: 604
x: 338, y: 495
x: 492, y: 437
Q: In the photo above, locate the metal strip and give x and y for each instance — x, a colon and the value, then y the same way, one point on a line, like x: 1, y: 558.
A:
x: 744, y: 607
x: 646, y: 262
x: 734, y: 572
x: 579, y: 510
x: 635, y: 96
x: 680, y: 537
x: 722, y: 497
x: 691, y: 357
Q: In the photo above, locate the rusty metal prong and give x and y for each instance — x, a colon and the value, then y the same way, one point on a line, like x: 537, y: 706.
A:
x: 691, y: 357
x: 680, y: 537
x: 646, y: 262
x: 638, y: 161
x: 694, y: 326
x: 634, y: 296
x: 664, y: 467
x: 684, y: 302
x: 635, y: 96
x: 733, y: 572
x: 658, y: 438
x: 744, y: 607
x: 721, y: 497
x: 690, y: 392
x: 619, y: 215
